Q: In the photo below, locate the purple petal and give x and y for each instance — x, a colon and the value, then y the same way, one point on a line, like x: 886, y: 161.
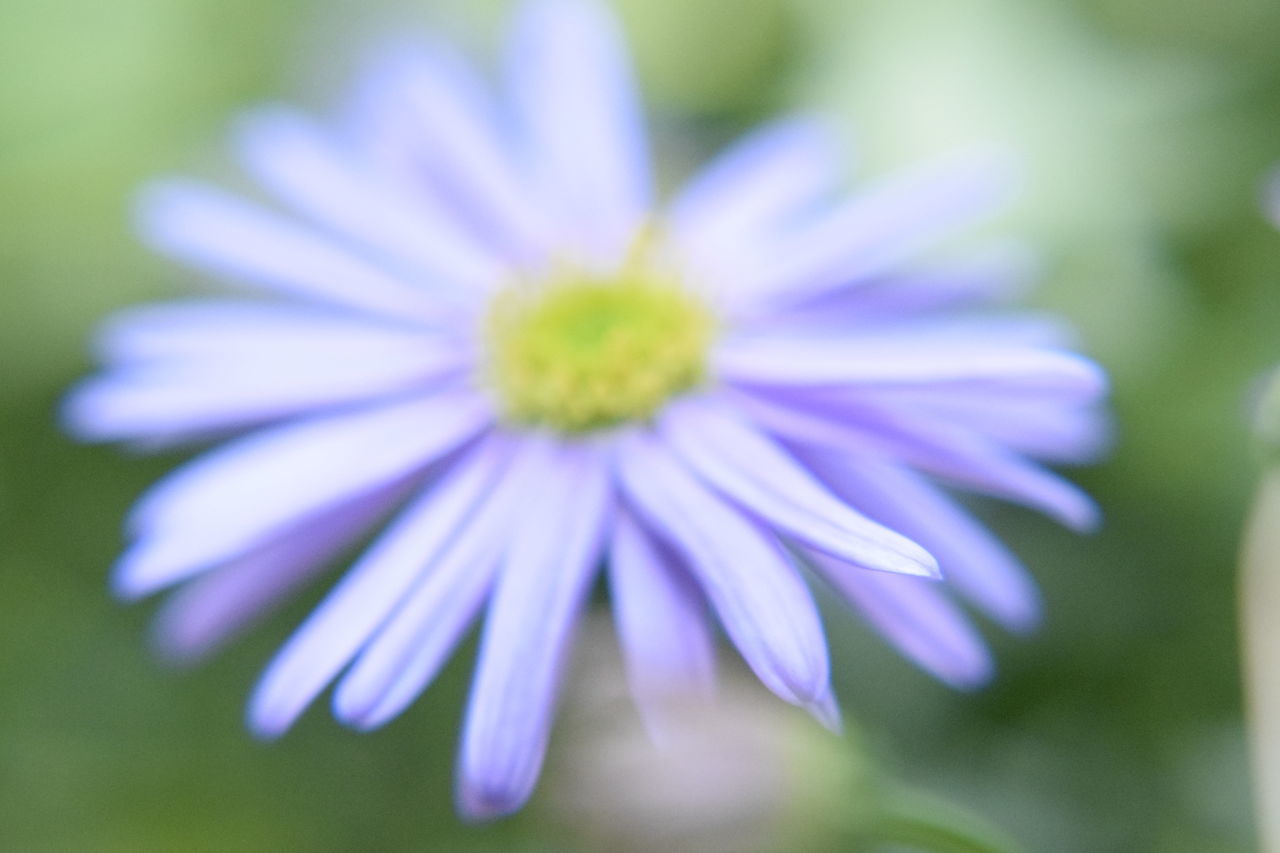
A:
x: 231, y: 499
x: 424, y: 116
x: 553, y: 555
x: 189, y: 370
x: 965, y: 458
x: 662, y: 623
x: 975, y: 562
x: 917, y: 618
x: 879, y: 229
x: 980, y: 279
x: 891, y: 360
x: 573, y: 93
x: 757, y: 474
x: 408, y: 650
x: 370, y: 591
x: 761, y: 184
x: 208, y: 228
x: 760, y: 598
x: 203, y: 615
x: 294, y: 159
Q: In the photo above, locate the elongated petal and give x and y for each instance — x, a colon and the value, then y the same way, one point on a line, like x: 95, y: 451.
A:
x: 424, y: 114
x: 221, y: 330
x: 976, y: 563
x: 880, y: 228
x: 760, y: 598
x: 978, y: 279
x: 917, y: 618
x: 662, y: 623
x: 214, y: 230
x: 206, y: 613
x: 231, y: 499
x: 964, y: 458
x: 370, y: 591
x: 407, y: 652
x: 293, y: 158
x: 175, y: 401
x: 573, y: 93
x: 756, y: 473
x: 763, y: 182
x: 778, y: 360
x: 554, y: 553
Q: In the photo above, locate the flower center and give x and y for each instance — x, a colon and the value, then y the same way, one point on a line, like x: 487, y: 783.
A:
x: 580, y: 353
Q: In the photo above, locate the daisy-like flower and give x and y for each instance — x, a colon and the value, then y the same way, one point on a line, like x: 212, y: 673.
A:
x: 476, y: 337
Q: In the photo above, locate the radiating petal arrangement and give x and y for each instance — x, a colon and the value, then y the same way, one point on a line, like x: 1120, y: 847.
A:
x: 824, y: 373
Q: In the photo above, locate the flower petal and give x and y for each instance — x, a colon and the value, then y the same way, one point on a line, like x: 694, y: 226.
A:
x: 898, y: 361
x: 879, y: 229
x: 976, y: 563
x: 553, y: 556
x: 370, y: 591
x: 215, y: 230
x: 231, y: 499
x: 757, y: 474
x: 662, y: 624
x: 917, y: 618
x: 766, y: 181
x: 293, y: 158
x: 408, y: 650
x: 193, y: 370
x: 574, y: 96
x: 424, y: 116
x: 963, y: 457
x: 759, y: 597
x: 209, y: 611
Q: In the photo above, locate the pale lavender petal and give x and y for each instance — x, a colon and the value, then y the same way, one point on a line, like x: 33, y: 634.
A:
x: 553, y: 556
x: 370, y: 591
x: 917, y: 618
x: 983, y: 278
x: 879, y: 229
x: 189, y: 369
x: 404, y: 656
x: 756, y: 473
x: 662, y: 624
x: 889, y: 360
x: 963, y: 457
x: 425, y: 117
x: 763, y: 182
x: 1039, y: 426
x: 209, y: 228
x: 573, y: 93
x: 975, y: 562
x: 208, y: 612
x: 220, y: 330
x: 759, y: 596
x: 293, y: 158
x: 231, y: 499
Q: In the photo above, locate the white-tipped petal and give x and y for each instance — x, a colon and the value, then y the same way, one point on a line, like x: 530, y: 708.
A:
x: 757, y: 594
x: 762, y: 477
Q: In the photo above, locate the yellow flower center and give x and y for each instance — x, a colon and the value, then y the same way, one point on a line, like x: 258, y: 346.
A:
x: 580, y: 353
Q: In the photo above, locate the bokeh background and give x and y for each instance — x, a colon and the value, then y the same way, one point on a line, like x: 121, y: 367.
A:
x: 1147, y: 128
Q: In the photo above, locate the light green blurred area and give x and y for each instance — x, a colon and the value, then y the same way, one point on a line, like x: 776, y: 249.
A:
x: 1145, y: 127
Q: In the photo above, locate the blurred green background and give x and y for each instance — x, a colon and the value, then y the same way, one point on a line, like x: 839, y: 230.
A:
x: 1147, y: 127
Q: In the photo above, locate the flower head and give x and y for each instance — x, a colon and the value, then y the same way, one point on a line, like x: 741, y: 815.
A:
x: 474, y: 335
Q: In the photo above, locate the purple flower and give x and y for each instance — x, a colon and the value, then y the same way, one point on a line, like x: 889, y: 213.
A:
x: 476, y: 336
